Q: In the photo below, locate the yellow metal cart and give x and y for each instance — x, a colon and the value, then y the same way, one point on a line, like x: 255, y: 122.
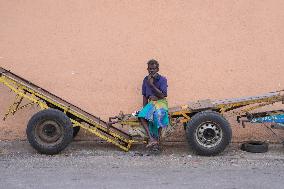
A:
x: 51, y: 130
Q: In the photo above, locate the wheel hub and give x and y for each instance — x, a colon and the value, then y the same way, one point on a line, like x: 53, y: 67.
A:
x: 208, y: 134
x: 49, y: 132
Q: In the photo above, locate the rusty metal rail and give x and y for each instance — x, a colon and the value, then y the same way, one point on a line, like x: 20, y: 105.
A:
x: 36, y: 95
x: 243, y: 105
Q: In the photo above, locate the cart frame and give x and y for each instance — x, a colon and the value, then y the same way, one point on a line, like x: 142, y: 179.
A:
x: 109, y: 131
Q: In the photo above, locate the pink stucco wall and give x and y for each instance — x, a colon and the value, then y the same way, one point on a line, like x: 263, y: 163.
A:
x: 94, y: 53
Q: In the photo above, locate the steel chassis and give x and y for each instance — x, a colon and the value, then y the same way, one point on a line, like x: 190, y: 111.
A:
x: 109, y: 131
x: 37, y: 96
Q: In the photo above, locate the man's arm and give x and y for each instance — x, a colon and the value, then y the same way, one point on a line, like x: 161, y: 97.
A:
x: 158, y: 93
x: 145, y: 101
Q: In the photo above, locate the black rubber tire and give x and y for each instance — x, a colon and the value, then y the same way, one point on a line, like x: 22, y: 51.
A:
x: 216, y: 119
x: 37, y: 131
x: 255, y: 146
x: 76, y: 131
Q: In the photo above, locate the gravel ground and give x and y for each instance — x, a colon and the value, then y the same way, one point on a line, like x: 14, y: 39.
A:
x: 99, y: 165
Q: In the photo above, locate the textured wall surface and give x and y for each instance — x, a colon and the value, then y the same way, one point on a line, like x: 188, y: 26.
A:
x: 94, y: 53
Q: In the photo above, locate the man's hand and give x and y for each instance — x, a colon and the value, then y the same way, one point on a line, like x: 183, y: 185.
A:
x: 153, y: 98
x: 150, y: 80
x: 158, y: 94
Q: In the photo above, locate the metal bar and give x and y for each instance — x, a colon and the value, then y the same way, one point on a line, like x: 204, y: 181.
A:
x: 58, y: 102
x: 13, y: 106
x: 108, y: 139
x: 25, y: 89
x: 45, y: 93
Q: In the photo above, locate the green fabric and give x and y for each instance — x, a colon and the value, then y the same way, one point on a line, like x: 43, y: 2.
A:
x: 156, y: 113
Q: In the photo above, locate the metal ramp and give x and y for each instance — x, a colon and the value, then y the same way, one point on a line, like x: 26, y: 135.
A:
x: 36, y: 95
x: 230, y: 104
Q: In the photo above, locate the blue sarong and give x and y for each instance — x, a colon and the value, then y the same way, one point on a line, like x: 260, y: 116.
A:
x: 156, y: 113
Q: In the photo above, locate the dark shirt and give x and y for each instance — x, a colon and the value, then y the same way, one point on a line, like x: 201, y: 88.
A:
x: 160, y: 82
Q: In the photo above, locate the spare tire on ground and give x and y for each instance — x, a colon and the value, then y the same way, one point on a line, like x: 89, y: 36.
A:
x: 255, y: 146
x: 49, y: 131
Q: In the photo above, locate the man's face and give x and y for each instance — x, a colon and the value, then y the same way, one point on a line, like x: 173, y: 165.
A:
x: 153, y: 69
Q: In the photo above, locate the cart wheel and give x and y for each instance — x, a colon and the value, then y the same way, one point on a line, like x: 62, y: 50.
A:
x: 255, y: 146
x: 49, y: 131
x: 76, y: 131
x: 208, y: 133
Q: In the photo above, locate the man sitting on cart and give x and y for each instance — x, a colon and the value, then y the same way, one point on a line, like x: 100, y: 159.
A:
x: 154, y: 114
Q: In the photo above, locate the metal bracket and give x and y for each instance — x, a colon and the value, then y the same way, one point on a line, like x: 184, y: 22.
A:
x: 14, y: 107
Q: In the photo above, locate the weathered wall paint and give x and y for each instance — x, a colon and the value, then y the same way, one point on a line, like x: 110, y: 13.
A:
x: 94, y: 53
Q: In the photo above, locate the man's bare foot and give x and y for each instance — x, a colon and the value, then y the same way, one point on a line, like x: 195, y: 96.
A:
x: 151, y: 143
